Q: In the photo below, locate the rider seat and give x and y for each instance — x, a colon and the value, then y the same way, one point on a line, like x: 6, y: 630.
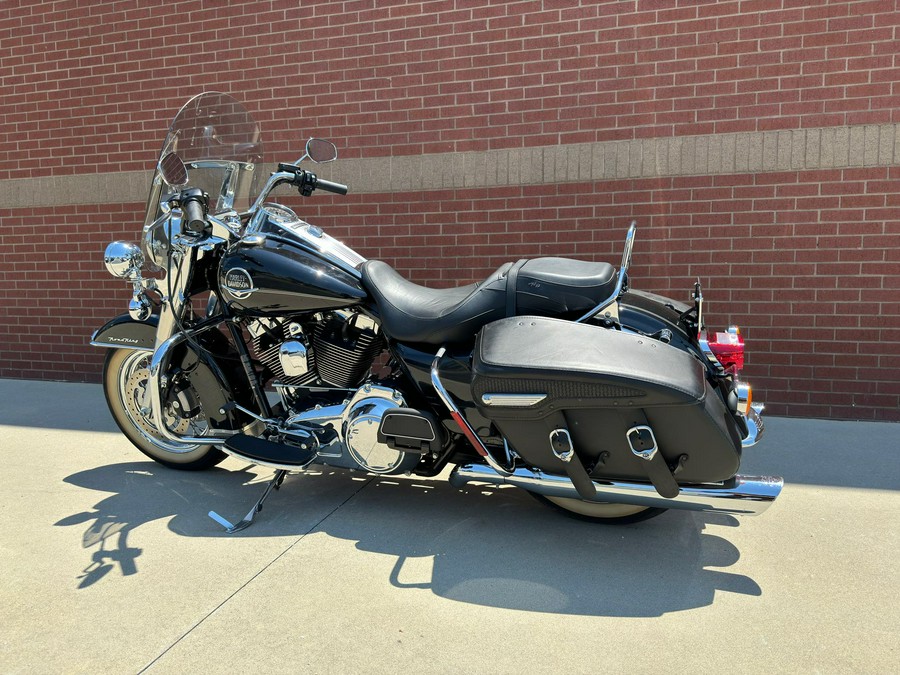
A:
x: 556, y: 287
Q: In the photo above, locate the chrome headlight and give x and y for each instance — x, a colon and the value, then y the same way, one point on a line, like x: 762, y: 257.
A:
x: 123, y: 260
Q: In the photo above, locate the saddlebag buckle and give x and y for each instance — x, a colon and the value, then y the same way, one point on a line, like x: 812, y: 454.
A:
x: 562, y: 448
x: 643, y: 444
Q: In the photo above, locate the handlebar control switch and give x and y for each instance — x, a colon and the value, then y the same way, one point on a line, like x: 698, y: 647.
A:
x: 306, y: 183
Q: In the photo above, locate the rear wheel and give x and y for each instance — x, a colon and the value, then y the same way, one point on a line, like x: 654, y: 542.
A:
x: 125, y: 377
x: 599, y: 512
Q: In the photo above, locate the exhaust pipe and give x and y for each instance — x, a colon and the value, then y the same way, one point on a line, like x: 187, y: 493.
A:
x: 739, y: 496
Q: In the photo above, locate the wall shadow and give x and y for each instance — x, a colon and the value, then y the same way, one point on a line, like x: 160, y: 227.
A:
x: 75, y: 406
x: 491, y: 547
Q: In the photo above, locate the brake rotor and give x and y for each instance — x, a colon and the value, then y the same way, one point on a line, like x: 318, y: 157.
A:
x: 135, y: 392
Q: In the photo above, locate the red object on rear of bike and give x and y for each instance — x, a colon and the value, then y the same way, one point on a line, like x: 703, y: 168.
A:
x: 729, y: 349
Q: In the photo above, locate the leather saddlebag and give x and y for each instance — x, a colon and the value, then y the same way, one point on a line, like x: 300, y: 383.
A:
x: 530, y: 374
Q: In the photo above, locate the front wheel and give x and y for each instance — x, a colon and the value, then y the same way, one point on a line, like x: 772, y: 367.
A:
x: 600, y: 512
x: 125, y: 377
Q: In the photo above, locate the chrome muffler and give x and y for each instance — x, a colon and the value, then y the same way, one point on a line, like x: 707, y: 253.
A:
x: 740, y: 496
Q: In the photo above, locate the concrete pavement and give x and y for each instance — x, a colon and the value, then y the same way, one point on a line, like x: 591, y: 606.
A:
x: 110, y: 564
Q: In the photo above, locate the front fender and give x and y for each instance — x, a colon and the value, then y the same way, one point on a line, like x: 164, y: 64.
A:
x: 123, y: 332
x: 215, y: 374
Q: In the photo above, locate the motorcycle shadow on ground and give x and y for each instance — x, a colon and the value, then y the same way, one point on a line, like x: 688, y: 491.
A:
x: 494, y: 547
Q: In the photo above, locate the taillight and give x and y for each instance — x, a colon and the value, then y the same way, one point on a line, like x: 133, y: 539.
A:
x: 728, y: 348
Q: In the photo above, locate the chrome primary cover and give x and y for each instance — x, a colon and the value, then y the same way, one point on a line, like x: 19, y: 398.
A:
x: 360, y: 430
x: 356, y: 422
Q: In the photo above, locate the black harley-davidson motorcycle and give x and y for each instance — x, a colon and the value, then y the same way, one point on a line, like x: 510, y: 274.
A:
x: 551, y: 375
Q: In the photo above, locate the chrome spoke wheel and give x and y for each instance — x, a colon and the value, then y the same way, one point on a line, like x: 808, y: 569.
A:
x: 600, y: 512
x: 134, y: 376
x: 125, y: 381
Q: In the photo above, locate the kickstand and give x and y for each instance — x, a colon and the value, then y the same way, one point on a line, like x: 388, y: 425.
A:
x: 275, y: 483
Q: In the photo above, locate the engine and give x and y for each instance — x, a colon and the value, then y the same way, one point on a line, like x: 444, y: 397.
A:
x: 372, y: 431
x: 336, y: 349
x: 367, y: 426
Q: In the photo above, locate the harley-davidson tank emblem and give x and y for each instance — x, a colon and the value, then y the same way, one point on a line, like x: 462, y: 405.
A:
x: 239, y: 283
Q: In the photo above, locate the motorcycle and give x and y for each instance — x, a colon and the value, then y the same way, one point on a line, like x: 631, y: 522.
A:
x: 552, y: 375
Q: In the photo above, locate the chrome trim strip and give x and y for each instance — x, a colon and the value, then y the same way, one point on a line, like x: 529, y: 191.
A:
x: 116, y: 345
x: 512, y: 400
x: 749, y: 496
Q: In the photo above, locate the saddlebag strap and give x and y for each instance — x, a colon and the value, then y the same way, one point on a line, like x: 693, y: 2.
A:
x: 512, y: 279
x: 643, y: 444
x: 562, y: 447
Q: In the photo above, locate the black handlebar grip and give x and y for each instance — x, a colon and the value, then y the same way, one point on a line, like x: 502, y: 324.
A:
x: 328, y: 186
x: 194, y: 204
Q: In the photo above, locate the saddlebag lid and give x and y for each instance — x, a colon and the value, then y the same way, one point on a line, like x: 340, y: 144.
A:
x: 578, y: 365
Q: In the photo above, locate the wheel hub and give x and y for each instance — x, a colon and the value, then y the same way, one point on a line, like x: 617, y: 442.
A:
x: 137, y: 403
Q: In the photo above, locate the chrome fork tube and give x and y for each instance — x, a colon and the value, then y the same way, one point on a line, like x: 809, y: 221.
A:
x: 167, y: 338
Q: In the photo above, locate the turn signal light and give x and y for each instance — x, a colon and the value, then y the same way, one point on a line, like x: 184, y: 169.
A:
x: 745, y: 398
x: 729, y: 349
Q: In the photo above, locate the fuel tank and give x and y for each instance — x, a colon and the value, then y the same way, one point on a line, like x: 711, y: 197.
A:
x: 270, y: 275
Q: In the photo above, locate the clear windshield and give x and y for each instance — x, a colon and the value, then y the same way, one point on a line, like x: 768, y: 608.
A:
x: 220, y: 143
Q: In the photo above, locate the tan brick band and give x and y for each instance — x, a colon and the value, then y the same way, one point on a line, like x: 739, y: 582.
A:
x: 757, y: 152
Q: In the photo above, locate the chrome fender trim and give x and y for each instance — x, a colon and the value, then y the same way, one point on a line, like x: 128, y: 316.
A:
x: 740, y: 496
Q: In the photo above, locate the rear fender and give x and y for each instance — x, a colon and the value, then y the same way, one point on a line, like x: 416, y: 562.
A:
x: 650, y: 313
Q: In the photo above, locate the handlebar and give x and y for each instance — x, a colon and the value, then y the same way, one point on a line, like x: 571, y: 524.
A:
x: 328, y: 186
x: 306, y: 181
x: 194, y: 205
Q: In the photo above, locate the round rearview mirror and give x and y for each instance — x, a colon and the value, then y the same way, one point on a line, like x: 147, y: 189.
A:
x: 173, y: 170
x: 123, y: 260
x: 320, y: 150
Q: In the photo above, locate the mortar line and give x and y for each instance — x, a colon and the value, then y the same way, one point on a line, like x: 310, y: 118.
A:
x: 252, y: 578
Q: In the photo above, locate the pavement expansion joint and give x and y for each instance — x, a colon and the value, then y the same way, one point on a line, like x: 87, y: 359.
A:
x: 224, y: 602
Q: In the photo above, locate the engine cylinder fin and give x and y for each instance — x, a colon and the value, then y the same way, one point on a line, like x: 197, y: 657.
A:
x: 338, y: 352
x: 344, y: 353
x: 266, y: 345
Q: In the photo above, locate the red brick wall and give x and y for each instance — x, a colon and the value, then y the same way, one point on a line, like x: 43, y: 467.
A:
x: 808, y: 261
x: 89, y: 84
